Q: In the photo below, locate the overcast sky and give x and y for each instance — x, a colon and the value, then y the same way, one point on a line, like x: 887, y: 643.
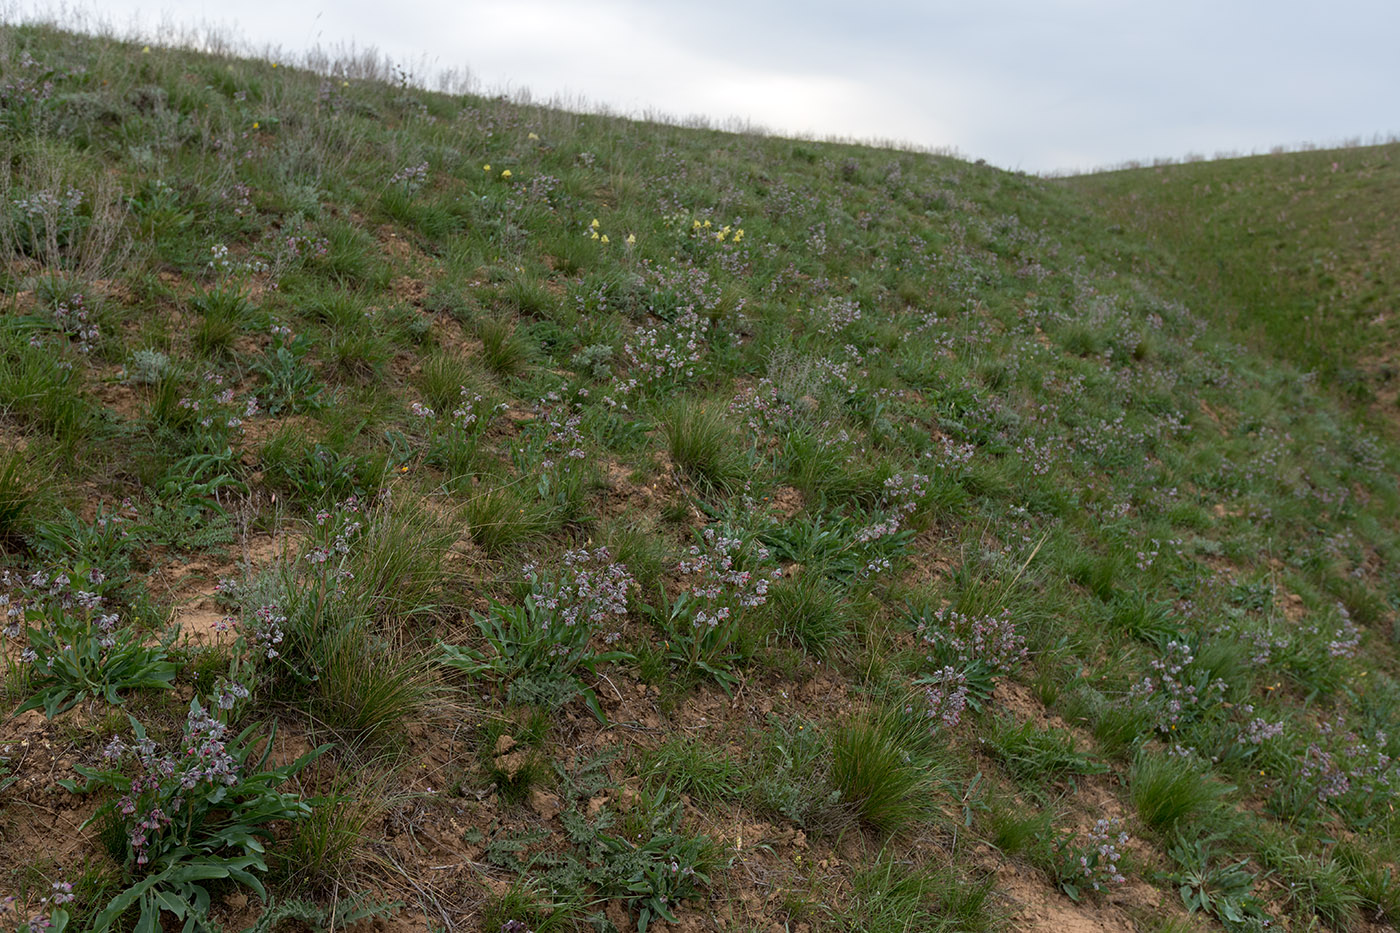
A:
x: 1039, y: 85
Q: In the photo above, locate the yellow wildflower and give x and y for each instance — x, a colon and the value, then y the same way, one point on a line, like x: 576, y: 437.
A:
x: 486, y: 168
x: 594, y: 225
x: 255, y: 124
x: 603, y: 239
x: 534, y: 136
x: 695, y: 225
x: 738, y: 234
x: 505, y: 174
x: 707, y: 223
x: 594, y: 236
x: 146, y: 50
x: 631, y: 239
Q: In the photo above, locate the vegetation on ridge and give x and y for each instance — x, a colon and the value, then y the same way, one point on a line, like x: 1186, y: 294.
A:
x: 444, y: 512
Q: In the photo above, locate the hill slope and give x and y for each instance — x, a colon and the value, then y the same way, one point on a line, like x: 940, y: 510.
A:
x: 1297, y: 248
x: 626, y: 524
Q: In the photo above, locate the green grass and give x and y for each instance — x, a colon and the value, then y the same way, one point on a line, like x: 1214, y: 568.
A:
x: 704, y: 446
x: 1300, y: 235
x: 1120, y: 412
x: 881, y: 765
x: 1169, y: 791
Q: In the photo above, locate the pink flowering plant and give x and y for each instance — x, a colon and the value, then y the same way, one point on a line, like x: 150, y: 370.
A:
x: 965, y: 654
x: 728, y: 575
x: 552, y: 449
x: 52, y: 917
x: 1090, y: 865
x: 75, y: 645
x: 564, y: 627
x: 196, y: 813
x: 451, y: 438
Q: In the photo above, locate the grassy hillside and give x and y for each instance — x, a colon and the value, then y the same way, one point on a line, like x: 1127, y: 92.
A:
x: 428, y: 512
x: 1296, y: 249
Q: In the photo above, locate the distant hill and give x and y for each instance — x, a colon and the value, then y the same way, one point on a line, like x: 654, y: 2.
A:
x: 1301, y: 249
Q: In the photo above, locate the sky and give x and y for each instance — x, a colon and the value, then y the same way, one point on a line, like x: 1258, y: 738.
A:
x: 1033, y: 85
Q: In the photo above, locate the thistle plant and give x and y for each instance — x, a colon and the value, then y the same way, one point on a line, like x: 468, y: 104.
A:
x: 541, y: 647
x: 74, y: 647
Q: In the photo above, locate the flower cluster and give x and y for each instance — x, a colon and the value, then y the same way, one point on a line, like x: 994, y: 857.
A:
x: 763, y: 407
x: 1347, y: 638
x: 1098, y: 864
x: 901, y: 499
x: 1179, y: 690
x: 216, y: 406
x: 952, y: 454
x: 52, y: 207
x: 989, y: 641
x: 591, y: 590
x: 945, y: 697
x: 836, y: 314
x: 1259, y: 730
x: 721, y: 587
x: 53, y: 913
x: 1342, y: 763
x: 31, y: 84
x: 412, y: 177
x: 74, y: 644
x: 594, y: 232
x: 452, y: 440
x: 162, y: 782
x: 560, y: 440
x: 263, y: 630
x: 73, y: 318
x: 704, y: 229
x: 230, y: 268
x: 666, y: 354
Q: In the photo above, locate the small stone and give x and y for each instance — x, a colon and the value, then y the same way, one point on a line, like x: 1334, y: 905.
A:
x: 544, y: 803
x: 504, y: 744
x: 512, y: 764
